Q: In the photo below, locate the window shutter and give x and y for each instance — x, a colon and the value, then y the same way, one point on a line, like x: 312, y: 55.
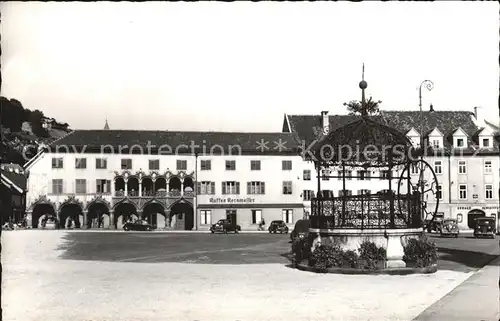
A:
x: 108, y: 185
x: 238, y: 188
x: 263, y: 189
x: 249, y: 187
x: 198, y: 188
x: 212, y: 185
x: 223, y: 188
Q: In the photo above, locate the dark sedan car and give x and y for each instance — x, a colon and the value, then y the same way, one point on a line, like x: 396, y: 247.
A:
x: 139, y: 225
x: 449, y: 227
x: 278, y: 226
x: 485, y: 226
x: 301, y: 229
x: 224, y: 226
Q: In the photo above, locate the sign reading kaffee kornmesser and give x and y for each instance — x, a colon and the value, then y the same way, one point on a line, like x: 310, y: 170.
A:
x: 231, y: 200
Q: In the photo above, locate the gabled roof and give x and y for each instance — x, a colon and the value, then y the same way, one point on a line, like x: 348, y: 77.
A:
x: 13, y: 176
x: 188, y: 142
x: 413, y: 132
x: 309, y: 127
x: 434, y: 132
x: 483, y: 131
x: 446, y: 122
x: 460, y: 132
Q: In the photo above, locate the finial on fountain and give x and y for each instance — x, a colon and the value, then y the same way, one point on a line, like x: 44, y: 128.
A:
x: 363, y: 85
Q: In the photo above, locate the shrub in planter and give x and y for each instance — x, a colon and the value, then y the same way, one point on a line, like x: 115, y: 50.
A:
x: 371, y: 256
x: 301, y: 250
x: 420, y: 252
x: 350, y: 259
x: 326, y: 256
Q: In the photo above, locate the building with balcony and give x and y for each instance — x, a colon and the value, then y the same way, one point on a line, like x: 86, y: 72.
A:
x: 462, y: 148
x: 174, y: 180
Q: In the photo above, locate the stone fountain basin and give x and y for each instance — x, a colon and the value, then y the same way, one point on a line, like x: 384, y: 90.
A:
x: 393, y: 240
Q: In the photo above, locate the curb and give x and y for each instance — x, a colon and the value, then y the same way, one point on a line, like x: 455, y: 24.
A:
x: 387, y: 271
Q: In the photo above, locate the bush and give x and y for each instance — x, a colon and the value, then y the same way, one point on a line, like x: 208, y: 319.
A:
x: 326, y: 256
x: 350, y: 259
x: 301, y: 250
x: 420, y: 252
x: 370, y: 255
x: 332, y: 256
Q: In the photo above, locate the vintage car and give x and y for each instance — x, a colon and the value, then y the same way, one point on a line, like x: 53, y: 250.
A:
x: 449, y: 227
x: 301, y: 229
x: 224, y: 226
x: 484, y: 226
x: 278, y: 226
x: 434, y: 225
x: 139, y: 225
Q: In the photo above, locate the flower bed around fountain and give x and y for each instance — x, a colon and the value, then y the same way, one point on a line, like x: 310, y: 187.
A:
x: 369, y: 258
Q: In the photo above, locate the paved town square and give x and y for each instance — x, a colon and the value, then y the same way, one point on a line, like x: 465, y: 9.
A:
x: 85, y: 275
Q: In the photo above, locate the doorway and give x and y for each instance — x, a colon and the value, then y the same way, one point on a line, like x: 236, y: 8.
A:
x: 231, y: 216
x: 471, y: 217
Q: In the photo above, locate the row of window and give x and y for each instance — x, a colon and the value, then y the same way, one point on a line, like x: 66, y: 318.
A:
x: 206, y: 216
x: 460, y: 143
x: 307, y: 195
x: 101, y: 186
x: 255, y: 165
x: 462, y: 167
x: 366, y: 175
x: 203, y: 188
x: 154, y: 164
x: 462, y: 191
x: 233, y: 188
x: 362, y: 175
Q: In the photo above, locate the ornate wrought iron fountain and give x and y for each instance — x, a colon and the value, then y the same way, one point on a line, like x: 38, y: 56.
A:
x: 387, y: 218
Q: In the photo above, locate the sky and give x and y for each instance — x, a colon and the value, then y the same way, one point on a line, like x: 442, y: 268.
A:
x: 240, y: 66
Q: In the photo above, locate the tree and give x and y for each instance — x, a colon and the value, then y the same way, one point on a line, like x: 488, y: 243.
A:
x: 12, y: 114
x: 356, y: 107
x: 37, y: 124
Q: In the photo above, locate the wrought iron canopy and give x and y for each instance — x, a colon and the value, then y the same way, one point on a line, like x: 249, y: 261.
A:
x: 365, y: 142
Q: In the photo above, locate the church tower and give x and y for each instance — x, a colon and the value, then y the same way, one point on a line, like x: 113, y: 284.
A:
x: 106, y: 126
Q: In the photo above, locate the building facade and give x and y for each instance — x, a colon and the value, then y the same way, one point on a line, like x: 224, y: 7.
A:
x: 462, y: 149
x: 175, y: 180
x: 12, y: 193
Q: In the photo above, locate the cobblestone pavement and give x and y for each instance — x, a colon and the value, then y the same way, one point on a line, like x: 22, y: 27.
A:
x: 58, y: 275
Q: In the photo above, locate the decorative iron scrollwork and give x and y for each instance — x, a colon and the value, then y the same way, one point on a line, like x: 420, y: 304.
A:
x: 364, y: 212
x: 422, y: 181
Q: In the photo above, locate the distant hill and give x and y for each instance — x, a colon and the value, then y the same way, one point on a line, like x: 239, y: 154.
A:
x: 23, y: 131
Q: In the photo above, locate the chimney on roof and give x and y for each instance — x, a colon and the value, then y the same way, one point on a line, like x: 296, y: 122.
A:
x: 431, y: 108
x: 325, y: 122
x: 478, y: 117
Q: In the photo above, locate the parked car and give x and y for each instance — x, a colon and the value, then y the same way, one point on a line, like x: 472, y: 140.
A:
x: 301, y: 229
x: 49, y: 223
x: 449, y: 227
x: 224, y: 226
x: 139, y: 225
x: 278, y: 226
x: 436, y: 224
x: 485, y: 226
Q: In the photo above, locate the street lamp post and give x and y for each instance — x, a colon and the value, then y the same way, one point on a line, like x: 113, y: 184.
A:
x: 429, y: 85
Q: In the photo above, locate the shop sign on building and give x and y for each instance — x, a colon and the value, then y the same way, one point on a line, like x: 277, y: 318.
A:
x: 231, y: 200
